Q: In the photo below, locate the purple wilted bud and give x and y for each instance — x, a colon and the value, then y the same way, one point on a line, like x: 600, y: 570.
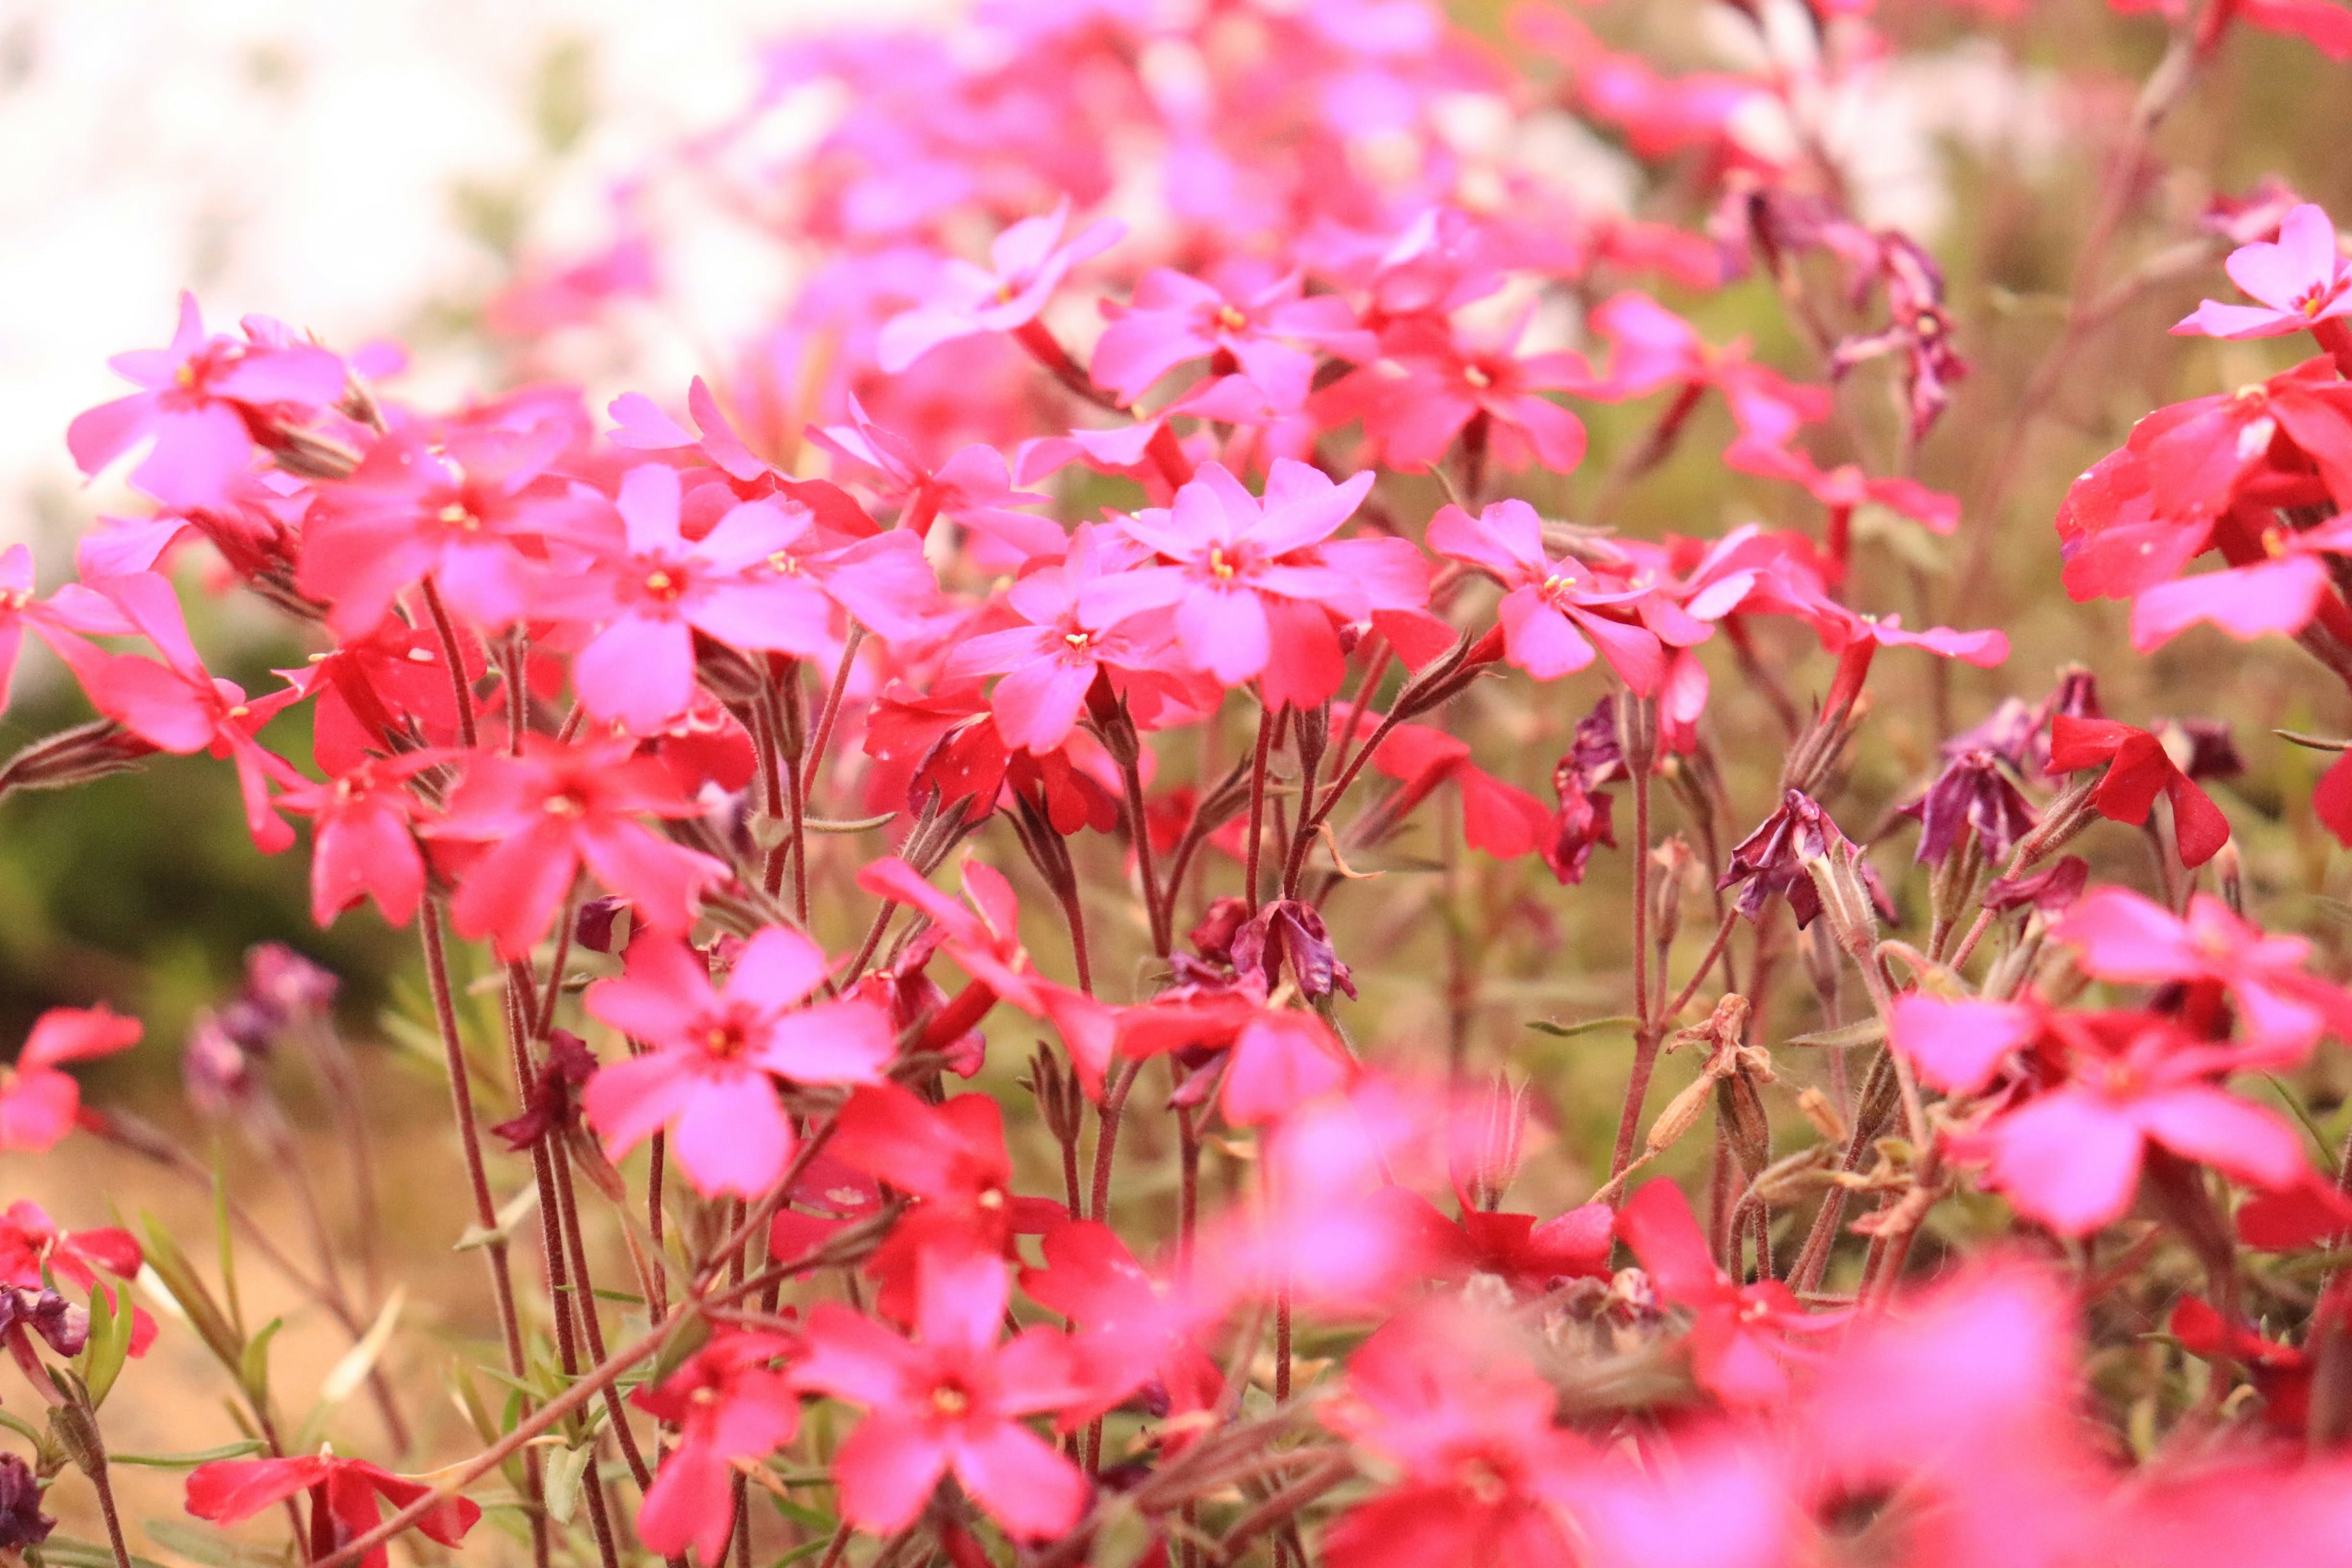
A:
x: 552, y: 1102
x: 1286, y: 930
x: 277, y: 975
x: 2051, y: 891
x: 593, y: 926
x: 2007, y: 732
x: 1974, y: 790
x: 2076, y: 696
x: 22, y: 1522
x: 1212, y: 938
x: 59, y: 1321
x: 2202, y: 748
x: 1595, y: 757
x: 221, y: 1063
x: 1778, y: 857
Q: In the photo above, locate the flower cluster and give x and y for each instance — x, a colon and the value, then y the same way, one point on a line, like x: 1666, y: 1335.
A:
x: 910, y: 795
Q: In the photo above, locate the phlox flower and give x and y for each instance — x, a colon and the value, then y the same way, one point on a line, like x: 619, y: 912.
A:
x: 2302, y: 279
x: 638, y: 669
x: 1137, y: 1327
x: 729, y: 1402
x: 364, y: 843
x: 948, y: 1400
x: 1275, y: 1059
x: 546, y: 812
x: 205, y: 401
x: 719, y: 1052
x: 31, y: 1242
x: 1738, y: 1332
x: 72, y: 608
x: 344, y: 1499
x: 38, y: 1102
x: 1553, y: 612
x: 1500, y: 819
x: 1245, y: 314
x: 2138, y: 769
x: 972, y: 489
x: 1456, y: 384
x: 1027, y: 262
x: 1255, y: 584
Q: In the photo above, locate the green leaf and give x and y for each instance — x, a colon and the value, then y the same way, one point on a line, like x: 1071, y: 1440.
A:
x: 689, y: 1332
x: 1589, y: 1027
x: 252, y: 1365
x: 68, y: 1552
x: 26, y: 1430
x: 186, y: 1540
x: 109, y: 1345
x: 187, y: 1461
x: 187, y: 1292
x: 564, y: 1469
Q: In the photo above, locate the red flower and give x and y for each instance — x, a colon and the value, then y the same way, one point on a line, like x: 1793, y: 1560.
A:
x: 1738, y: 1332
x: 31, y: 1242
x: 38, y: 1102
x: 551, y: 809
x: 1554, y: 611
x: 729, y: 1404
x: 947, y: 1401
x: 719, y: 1052
x: 1138, y: 1327
x: 2138, y: 769
x: 344, y: 1496
x: 1277, y: 1058
x: 364, y: 846
x: 1499, y: 819
x: 1456, y: 383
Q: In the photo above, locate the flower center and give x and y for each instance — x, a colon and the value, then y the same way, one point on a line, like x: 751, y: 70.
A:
x: 991, y: 1199
x: 785, y: 562
x: 1078, y: 642
x: 1233, y: 320
x: 565, y: 803
x: 724, y: 1041
x: 456, y: 514
x: 185, y: 377
x: 950, y: 1400
x: 661, y: 585
x: 1220, y: 566
x: 1479, y: 1479
x: 1476, y: 377
x: 14, y: 599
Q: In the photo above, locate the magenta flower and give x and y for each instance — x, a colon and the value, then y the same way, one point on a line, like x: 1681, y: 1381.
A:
x: 1453, y: 379
x: 1256, y: 584
x: 72, y: 608
x: 730, y: 1404
x: 2302, y: 279
x: 2282, y: 1007
x: 38, y: 1102
x: 1500, y: 819
x: 1049, y: 664
x: 949, y: 1400
x: 31, y: 1242
x: 204, y: 401
x: 1248, y: 317
x: 545, y: 813
x: 1554, y: 611
x: 1027, y: 264
x: 712, y: 1076
x: 639, y: 669
x: 972, y: 489
x: 2070, y: 1156
x: 1137, y: 1326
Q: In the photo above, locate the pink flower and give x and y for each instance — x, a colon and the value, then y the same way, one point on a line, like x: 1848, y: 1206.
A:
x: 473, y: 510
x: 73, y: 608
x: 639, y: 668
x: 972, y: 489
x: 38, y: 1102
x: 205, y: 401
x: 2301, y: 280
x: 1257, y: 584
x: 1484, y: 1472
x: 1455, y: 385
x: 1554, y: 611
x: 344, y: 1496
x: 549, y: 810
x: 1252, y: 318
x: 1499, y: 819
x: 948, y: 1400
x: 1278, y: 1059
x: 728, y: 1404
x: 1138, y: 1327
x: 1027, y: 264
x: 712, y: 1076
x: 178, y: 706
x: 2283, y: 1007
x: 1070, y: 639
x: 2070, y: 1156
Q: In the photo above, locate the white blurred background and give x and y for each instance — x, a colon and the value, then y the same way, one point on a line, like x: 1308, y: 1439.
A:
x: 353, y: 169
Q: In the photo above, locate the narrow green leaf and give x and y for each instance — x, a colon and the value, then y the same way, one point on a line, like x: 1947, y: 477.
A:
x: 1589, y: 1027
x: 187, y: 1461
x: 563, y: 1476
x: 252, y: 1365
x: 69, y: 1554
x: 1867, y: 1032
